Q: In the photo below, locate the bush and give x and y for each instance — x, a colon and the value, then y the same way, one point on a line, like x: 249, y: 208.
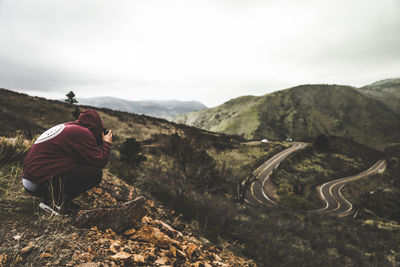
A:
x: 321, y: 142
x: 188, y: 167
x: 130, y: 152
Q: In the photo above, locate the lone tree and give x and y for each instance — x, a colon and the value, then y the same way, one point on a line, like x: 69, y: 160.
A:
x: 71, y: 98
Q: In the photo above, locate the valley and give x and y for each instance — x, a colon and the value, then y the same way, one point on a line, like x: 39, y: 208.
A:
x: 193, y: 176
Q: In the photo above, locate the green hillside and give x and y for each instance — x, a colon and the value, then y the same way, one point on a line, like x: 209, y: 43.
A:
x: 301, y: 113
x: 387, y: 91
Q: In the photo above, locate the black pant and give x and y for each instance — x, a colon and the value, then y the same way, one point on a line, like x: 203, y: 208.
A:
x: 69, y: 185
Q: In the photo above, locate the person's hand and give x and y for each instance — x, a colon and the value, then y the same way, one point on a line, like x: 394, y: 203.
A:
x: 107, y: 137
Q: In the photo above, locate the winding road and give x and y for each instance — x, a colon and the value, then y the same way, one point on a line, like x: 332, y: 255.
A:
x: 255, y: 192
x: 255, y: 186
x: 330, y: 192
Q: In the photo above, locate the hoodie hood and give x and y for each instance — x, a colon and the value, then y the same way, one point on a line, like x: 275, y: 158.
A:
x: 91, y: 120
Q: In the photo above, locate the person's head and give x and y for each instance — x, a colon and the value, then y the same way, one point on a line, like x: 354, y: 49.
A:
x: 91, y: 120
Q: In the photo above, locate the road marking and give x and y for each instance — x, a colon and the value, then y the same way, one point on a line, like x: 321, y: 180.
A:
x: 372, y: 170
x: 272, y: 163
x: 261, y: 174
x: 260, y: 171
x: 323, y: 196
x: 254, y: 196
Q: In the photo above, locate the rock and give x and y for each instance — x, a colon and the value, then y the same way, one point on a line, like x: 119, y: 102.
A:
x: 97, y: 190
x: 218, y: 263
x: 103, y: 241
x: 146, y: 219
x: 29, y: 248
x: 152, y: 253
x: 198, y: 264
x: 153, y: 235
x: 190, y: 249
x: 173, y: 250
x: 138, y: 258
x: 110, y: 232
x: 118, y: 218
x: 121, y: 256
x: 171, y: 232
x: 130, y: 231
x: 45, y: 255
x: 115, y: 246
x: 180, y: 254
x: 131, y: 193
x: 17, y: 237
x: 216, y: 257
x: 88, y: 264
x: 162, y: 261
x: 204, y: 240
x: 127, y: 249
x: 213, y: 248
x: 150, y: 203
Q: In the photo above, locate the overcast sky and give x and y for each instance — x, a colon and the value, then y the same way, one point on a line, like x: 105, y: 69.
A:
x: 210, y: 51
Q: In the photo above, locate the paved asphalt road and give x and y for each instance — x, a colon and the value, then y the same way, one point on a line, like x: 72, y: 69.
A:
x: 254, y: 186
x: 331, y: 192
x: 255, y: 193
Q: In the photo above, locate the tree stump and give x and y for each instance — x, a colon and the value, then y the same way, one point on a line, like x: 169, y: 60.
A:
x: 117, y: 218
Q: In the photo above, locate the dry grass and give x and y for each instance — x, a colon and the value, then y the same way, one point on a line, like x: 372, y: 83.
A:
x: 13, y: 149
x: 23, y: 224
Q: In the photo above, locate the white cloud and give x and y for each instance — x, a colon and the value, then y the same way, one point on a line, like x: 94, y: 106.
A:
x: 205, y: 50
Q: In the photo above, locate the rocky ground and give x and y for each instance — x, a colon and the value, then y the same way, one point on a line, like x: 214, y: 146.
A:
x: 154, y: 237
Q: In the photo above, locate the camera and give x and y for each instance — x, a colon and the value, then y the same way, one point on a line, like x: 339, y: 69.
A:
x: 105, y: 131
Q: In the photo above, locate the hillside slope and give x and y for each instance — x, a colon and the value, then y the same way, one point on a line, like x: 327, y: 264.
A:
x: 302, y: 112
x: 161, y: 109
x: 387, y: 91
x: 195, y: 173
x: 33, y: 115
x: 32, y: 237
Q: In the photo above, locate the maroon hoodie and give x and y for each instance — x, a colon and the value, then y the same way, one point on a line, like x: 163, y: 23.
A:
x: 66, y: 146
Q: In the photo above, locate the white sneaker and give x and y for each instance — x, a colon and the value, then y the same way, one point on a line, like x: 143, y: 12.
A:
x: 48, y: 208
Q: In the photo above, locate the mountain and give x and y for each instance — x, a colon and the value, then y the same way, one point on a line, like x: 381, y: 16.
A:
x: 302, y: 112
x: 387, y: 91
x: 191, y: 179
x: 166, y: 109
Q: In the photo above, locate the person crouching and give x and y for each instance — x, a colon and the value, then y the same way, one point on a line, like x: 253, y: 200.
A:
x: 67, y: 160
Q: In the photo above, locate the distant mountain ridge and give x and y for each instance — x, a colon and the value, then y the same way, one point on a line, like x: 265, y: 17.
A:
x: 303, y: 112
x: 387, y: 91
x: 166, y: 109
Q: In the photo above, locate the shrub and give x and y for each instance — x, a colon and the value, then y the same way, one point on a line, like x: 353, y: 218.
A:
x: 130, y: 152
x: 188, y: 167
x: 321, y: 142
